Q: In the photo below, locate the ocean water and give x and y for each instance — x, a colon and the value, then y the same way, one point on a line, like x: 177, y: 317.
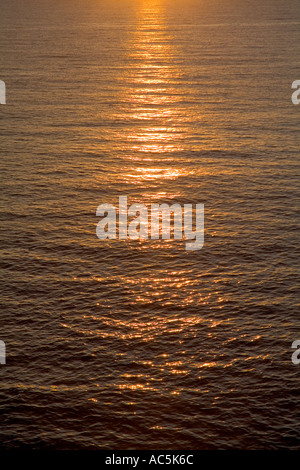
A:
x: 131, y: 344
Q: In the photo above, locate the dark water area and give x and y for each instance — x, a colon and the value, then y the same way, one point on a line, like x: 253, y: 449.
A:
x: 141, y: 344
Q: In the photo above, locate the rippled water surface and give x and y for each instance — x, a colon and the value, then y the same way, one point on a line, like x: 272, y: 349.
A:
x: 130, y: 344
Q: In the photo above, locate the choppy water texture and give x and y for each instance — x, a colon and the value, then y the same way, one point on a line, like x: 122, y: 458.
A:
x: 142, y: 344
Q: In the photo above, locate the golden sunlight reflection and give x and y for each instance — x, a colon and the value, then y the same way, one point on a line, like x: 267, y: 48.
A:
x: 153, y: 128
x: 150, y: 94
x: 143, y: 174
